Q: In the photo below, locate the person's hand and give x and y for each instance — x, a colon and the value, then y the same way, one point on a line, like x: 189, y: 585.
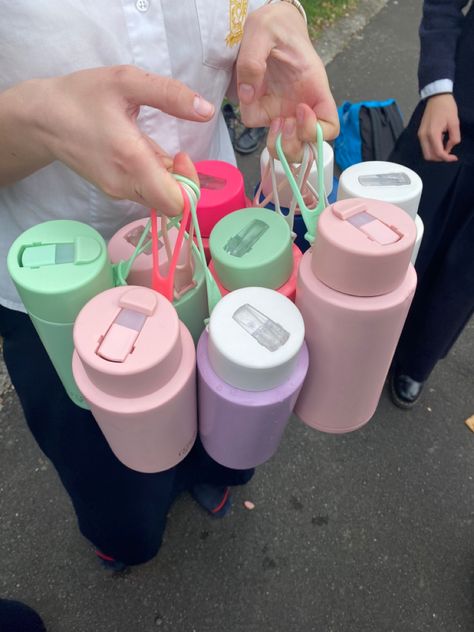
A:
x: 281, y: 81
x: 88, y: 120
x: 439, y: 118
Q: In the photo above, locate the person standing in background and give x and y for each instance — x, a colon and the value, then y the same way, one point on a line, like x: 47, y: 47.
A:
x: 438, y: 144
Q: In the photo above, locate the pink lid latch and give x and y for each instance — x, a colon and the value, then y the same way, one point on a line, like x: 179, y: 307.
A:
x: 119, y: 341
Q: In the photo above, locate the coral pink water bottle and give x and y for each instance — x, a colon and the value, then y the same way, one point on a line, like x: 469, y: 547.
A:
x: 134, y: 363
x: 222, y: 192
x: 355, y: 287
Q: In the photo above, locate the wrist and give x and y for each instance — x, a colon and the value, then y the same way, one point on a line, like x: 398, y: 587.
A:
x: 295, y: 3
x: 23, y: 149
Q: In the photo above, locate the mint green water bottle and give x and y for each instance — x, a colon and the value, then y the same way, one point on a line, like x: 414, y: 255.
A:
x: 57, y: 267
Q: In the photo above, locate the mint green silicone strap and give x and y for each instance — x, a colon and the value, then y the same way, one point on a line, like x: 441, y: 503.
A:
x: 213, y: 293
x: 122, y: 269
x: 310, y: 216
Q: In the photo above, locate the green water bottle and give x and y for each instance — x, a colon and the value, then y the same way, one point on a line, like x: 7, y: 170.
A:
x: 57, y: 267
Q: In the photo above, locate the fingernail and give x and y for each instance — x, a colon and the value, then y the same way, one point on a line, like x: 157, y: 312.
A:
x: 275, y: 125
x: 289, y: 128
x: 246, y: 92
x: 202, y: 107
x: 300, y: 114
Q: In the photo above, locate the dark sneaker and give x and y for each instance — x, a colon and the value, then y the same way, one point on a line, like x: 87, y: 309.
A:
x: 110, y: 563
x: 250, y: 139
x: 231, y: 121
x: 215, y: 500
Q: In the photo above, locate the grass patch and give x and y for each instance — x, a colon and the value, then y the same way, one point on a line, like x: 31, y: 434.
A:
x: 322, y: 13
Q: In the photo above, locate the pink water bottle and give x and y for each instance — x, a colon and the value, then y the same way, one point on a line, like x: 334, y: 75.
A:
x: 355, y: 287
x: 134, y: 363
x: 222, y: 192
x: 251, y: 365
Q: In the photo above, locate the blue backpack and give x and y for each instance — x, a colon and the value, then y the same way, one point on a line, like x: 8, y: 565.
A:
x: 369, y: 131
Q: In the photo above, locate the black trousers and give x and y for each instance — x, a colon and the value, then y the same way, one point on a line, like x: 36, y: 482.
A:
x: 444, y: 299
x: 122, y: 512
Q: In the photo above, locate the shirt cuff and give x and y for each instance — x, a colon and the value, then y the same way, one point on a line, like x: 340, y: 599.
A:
x: 437, y: 87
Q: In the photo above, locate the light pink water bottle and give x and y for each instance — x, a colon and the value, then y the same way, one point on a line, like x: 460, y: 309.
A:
x: 251, y: 366
x: 134, y: 363
x: 355, y: 287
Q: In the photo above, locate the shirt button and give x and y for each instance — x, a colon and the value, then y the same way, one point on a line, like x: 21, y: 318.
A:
x: 142, y: 5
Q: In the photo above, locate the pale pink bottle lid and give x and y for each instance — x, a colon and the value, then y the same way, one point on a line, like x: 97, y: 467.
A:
x: 122, y: 246
x: 222, y: 192
x: 363, y: 247
x: 128, y: 340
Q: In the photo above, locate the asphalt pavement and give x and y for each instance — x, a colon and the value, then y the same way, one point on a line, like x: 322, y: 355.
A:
x: 366, y: 532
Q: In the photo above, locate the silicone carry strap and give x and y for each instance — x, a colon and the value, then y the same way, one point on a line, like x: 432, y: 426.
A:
x: 301, y: 174
x: 164, y: 284
x: 310, y: 216
x: 213, y: 293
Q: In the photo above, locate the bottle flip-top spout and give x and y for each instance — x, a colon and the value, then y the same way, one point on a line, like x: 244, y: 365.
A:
x: 375, y: 229
x: 79, y: 252
x: 119, y: 340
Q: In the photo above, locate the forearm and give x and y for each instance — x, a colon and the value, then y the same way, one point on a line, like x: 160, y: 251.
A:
x: 439, y: 33
x: 22, y: 150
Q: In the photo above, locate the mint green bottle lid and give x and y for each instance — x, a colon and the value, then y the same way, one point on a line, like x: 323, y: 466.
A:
x: 57, y: 267
x: 252, y: 247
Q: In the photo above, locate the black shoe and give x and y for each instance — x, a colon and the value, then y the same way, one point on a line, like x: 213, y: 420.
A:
x: 231, y: 121
x: 250, y: 139
x: 404, y: 390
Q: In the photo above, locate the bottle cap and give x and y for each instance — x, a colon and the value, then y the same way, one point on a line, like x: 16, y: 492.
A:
x: 385, y: 181
x: 255, y: 336
x: 222, y: 192
x: 285, y: 191
x: 57, y: 267
x: 363, y: 247
x: 252, y: 247
x: 128, y: 340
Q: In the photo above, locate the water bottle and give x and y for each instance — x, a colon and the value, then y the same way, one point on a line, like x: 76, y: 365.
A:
x: 222, y: 191
x: 253, y: 247
x: 355, y: 287
x: 251, y: 365
x: 134, y: 362
x: 389, y: 182
x: 57, y: 267
x: 191, y: 305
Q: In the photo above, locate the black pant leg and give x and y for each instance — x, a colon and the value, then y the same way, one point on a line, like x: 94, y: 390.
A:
x: 18, y: 617
x: 121, y: 511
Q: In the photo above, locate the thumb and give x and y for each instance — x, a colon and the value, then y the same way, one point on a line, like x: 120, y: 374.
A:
x: 164, y: 93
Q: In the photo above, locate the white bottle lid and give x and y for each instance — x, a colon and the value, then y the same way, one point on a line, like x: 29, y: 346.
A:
x: 385, y: 181
x: 255, y: 336
x: 420, y: 229
x: 286, y: 194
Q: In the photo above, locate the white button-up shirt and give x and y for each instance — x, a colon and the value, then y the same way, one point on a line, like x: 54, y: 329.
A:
x: 185, y: 39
